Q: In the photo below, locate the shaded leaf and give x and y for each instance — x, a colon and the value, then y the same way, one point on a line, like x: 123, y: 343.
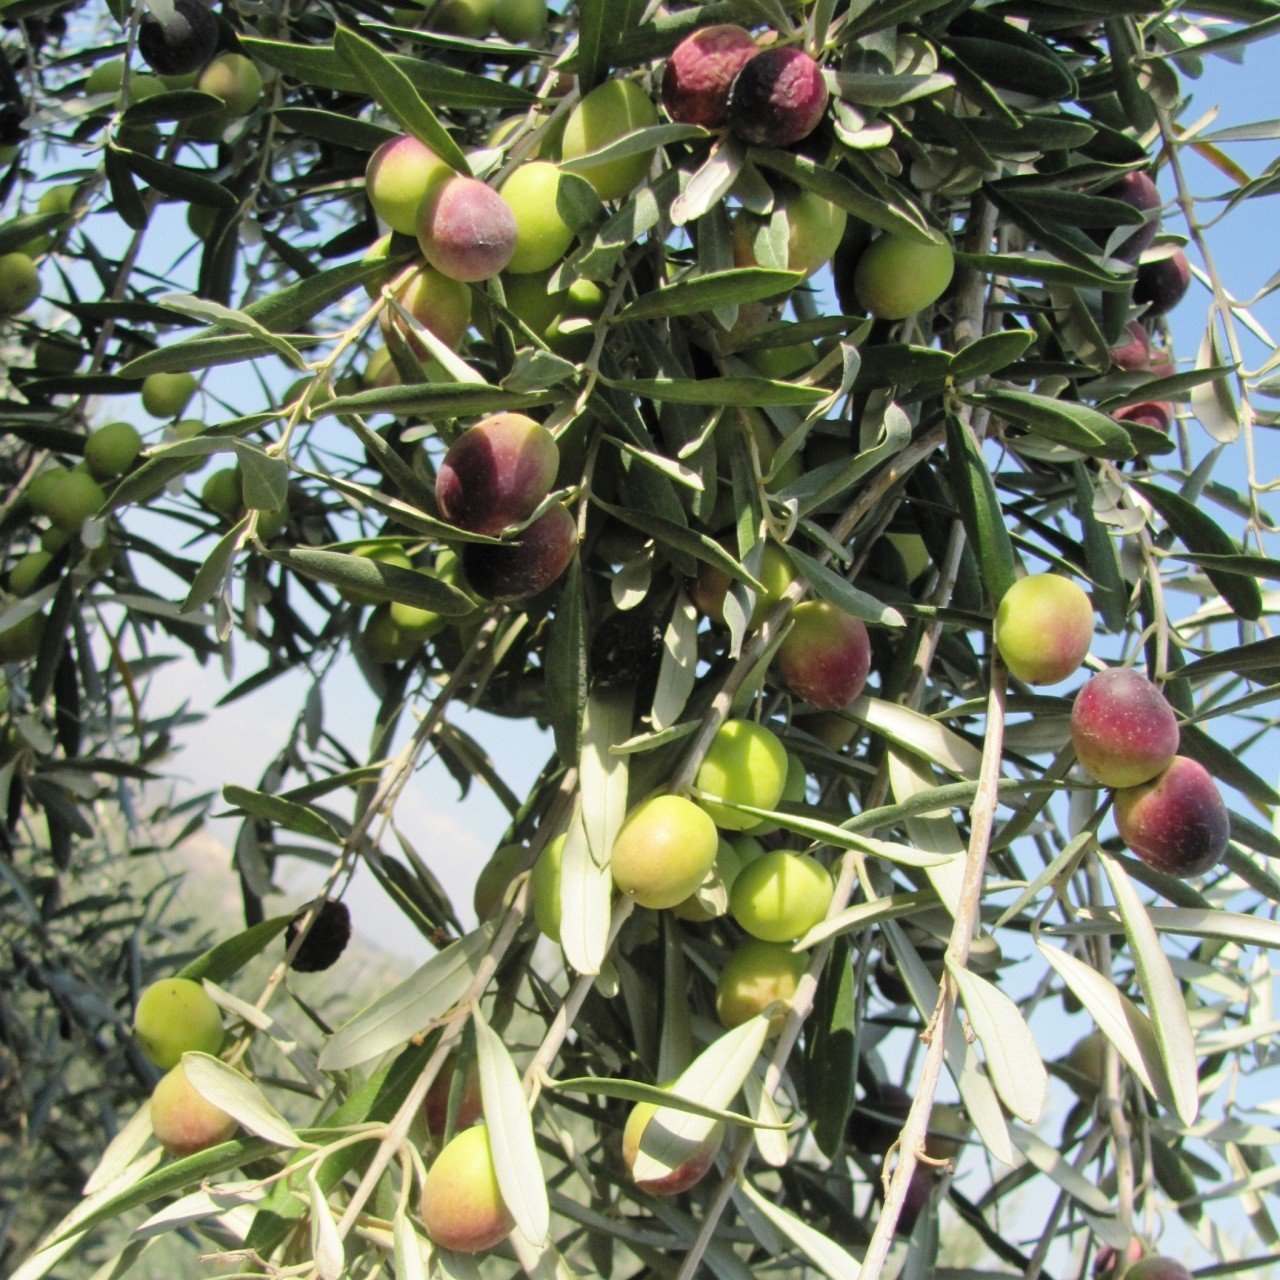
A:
x: 603, y: 774
x: 832, y: 1260
x: 989, y: 354
x: 174, y: 180
x: 372, y: 578
x: 707, y: 292
x: 230, y: 956
x: 1063, y: 421
x: 844, y: 595
x: 975, y: 495
x: 566, y: 665
x: 903, y: 219
x: 1200, y: 534
x: 601, y: 26
x: 742, y: 391
x: 281, y: 813
x: 382, y: 79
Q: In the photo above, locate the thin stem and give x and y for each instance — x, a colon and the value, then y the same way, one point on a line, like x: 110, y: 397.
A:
x: 398, y: 1129
x: 453, y: 1026
x: 982, y: 820
x: 389, y: 786
x: 1222, y: 307
x: 552, y: 1042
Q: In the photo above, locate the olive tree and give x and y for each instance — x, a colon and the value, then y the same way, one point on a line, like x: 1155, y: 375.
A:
x: 776, y: 406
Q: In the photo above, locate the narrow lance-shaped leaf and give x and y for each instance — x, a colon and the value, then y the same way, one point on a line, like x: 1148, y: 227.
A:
x: 824, y: 832
x: 770, y: 1137
x: 381, y: 581
x: 1196, y: 922
x: 844, y: 595
x: 743, y: 391
x: 714, y: 1077
x: 239, y: 1097
x: 979, y: 507
x: 920, y: 734
x: 326, y: 1244
x: 833, y: 1261
x: 385, y: 81
x: 989, y: 354
x: 566, y: 665
x: 829, y: 1059
x: 175, y: 180
x: 146, y: 1186
x: 677, y: 670
x: 264, y: 477
x: 220, y: 318
x: 331, y: 126
x: 515, y: 1153
x: 406, y: 1009
x: 601, y: 25
x: 445, y: 85
x: 682, y: 538
x: 636, y: 1091
x: 705, y: 293
x: 708, y: 187
x: 212, y: 575
x: 280, y: 812
x: 1064, y: 421
x: 603, y: 774
x: 675, y: 1046
x: 1008, y: 1047
x: 1118, y: 1018
x: 194, y: 1207
x: 1050, y: 1161
x: 229, y: 956
x: 863, y: 914
x: 902, y: 219
x: 1101, y: 557
x: 1200, y: 534
x: 1162, y: 992
x: 1212, y: 401
x: 976, y: 1091
x: 586, y: 887
x: 434, y: 400
x: 123, y: 1149
x: 408, y: 1249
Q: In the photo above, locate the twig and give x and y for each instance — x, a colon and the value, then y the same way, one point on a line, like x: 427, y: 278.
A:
x: 392, y: 779
x: 982, y: 820
x: 398, y: 1129
x: 535, y: 1072
x: 1222, y: 307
